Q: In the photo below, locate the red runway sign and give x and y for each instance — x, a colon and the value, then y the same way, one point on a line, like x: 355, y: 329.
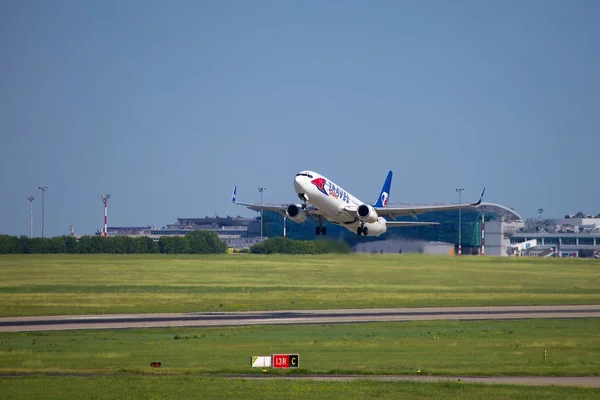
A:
x: 286, y: 361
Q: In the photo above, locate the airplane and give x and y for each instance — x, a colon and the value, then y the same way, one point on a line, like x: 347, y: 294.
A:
x: 329, y: 201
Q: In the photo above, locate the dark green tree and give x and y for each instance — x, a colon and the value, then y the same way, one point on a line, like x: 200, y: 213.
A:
x: 10, y: 245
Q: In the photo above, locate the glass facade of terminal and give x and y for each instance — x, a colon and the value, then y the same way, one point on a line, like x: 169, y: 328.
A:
x: 446, y: 231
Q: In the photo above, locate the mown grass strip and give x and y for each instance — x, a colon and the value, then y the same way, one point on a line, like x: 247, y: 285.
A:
x: 190, y: 387
x: 434, y: 348
x: 84, y: 284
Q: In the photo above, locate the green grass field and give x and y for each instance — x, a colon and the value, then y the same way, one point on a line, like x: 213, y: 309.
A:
x: 190, y: 387
x: 91, y: 284
x: 434, y: 347
x: 95, y: 284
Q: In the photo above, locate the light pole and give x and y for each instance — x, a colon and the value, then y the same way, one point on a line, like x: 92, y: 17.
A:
x: 540, y: 211
x: 261, y: 190
x: 30, y: 198
x: 43, y: 189
x: 482, y: 231
x: 459, y: 190
x: 105, y: 198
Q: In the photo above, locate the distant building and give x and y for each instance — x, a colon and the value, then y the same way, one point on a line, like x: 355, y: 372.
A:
x: 236, y: 232
x: 443, y: 235
x: 403, y: 246
x: 573, y: 236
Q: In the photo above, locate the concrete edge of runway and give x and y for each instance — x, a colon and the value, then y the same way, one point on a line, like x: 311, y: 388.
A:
x: 574, y: 381
x: 292, y: 317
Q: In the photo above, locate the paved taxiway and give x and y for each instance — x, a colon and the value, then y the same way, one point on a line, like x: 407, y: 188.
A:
x: 213, y: 319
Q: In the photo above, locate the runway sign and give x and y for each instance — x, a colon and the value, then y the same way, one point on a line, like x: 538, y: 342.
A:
x: 260, y: 361
x: 286, y: 360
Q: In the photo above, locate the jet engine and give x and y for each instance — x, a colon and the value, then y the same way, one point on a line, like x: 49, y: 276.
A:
x: 366, y: 213
x: 296, y: 213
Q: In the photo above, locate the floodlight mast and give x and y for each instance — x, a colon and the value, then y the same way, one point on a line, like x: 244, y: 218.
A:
x: 43, y: 189
x: 261, y: 190
x: 30, y: 198
x: 459, y: 190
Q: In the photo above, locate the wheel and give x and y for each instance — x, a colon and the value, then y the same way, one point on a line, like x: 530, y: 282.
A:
x: 324, y: 231
x: 365, y: 231
x: 318, y: 230
x: 359, y: 230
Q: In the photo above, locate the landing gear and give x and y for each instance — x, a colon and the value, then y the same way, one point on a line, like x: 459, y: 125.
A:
x: 304, y: 199
x: 321, y: 229
x: 362, y: 230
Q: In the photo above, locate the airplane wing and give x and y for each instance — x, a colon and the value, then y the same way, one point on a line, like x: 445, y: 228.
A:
x: 280, y: 208
x: 394, y: 212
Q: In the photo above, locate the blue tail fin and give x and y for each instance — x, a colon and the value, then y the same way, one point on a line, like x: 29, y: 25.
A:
x: 382, y: 200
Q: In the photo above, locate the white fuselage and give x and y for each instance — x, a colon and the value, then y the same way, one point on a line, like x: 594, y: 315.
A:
x: 332, y: 200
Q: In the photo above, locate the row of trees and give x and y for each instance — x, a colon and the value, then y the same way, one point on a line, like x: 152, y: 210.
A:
x: 281, y: 245
x: 197, y: 242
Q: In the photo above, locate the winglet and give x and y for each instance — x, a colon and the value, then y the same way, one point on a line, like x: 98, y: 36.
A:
x: 233, y: 195
x: 480, y: 198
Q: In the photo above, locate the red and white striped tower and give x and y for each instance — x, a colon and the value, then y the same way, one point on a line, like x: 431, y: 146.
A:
x: 105, y: 198
x: 482, y: 233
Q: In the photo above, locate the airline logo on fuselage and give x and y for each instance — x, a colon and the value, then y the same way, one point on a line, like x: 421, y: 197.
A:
x: 329, y: 189
x: 320, y: 184
x: 338, y: 193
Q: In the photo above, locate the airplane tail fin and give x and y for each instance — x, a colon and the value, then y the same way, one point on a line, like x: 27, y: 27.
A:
x: 233, y: 194
x: 384, y: 195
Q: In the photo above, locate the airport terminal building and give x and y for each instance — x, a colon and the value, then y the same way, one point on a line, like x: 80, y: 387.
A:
x: 490, y: 229
x: 447, y: 232
x: 575, y: 235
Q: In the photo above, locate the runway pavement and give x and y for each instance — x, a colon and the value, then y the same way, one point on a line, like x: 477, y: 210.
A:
x: 580, y: 381
x: 213, y: 319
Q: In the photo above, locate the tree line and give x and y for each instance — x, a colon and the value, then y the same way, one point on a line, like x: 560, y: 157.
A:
x: 197, y: 242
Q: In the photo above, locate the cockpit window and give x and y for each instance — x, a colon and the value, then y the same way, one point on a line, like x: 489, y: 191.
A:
x: 304, y: 174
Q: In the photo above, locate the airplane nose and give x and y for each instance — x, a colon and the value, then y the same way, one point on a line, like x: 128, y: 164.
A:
x: 298, y: 184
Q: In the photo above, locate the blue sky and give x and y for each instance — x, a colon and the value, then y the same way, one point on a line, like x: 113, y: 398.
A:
x: 166, y: 105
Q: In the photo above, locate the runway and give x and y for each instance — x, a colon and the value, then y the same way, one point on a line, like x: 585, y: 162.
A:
x: 220, y: 319
x: 579, y: 381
